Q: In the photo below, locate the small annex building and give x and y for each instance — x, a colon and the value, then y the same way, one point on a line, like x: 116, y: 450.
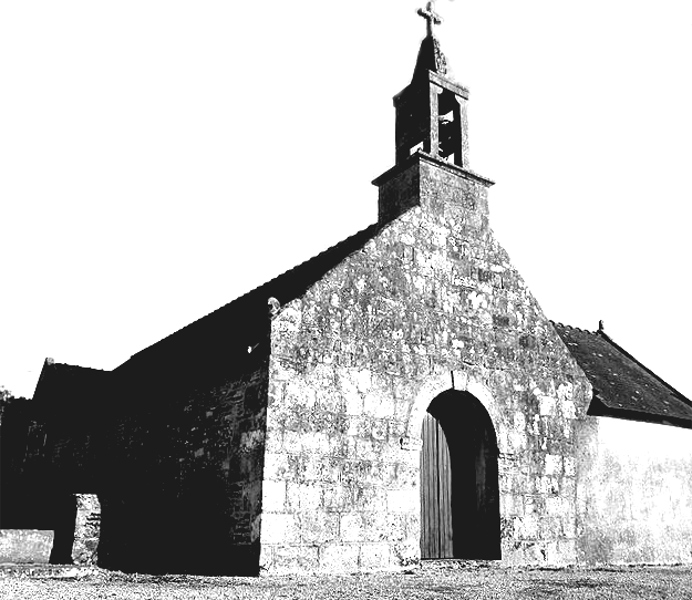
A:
x: 399, y: 397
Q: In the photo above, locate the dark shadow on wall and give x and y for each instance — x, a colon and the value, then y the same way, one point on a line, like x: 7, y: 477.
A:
x: 179, y: 489
x: 30, y: 495
x: 154, y: 532
x: 63, y: 507
x: 171, y: 442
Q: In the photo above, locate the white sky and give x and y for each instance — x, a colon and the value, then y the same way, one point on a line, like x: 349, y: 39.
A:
x: 159, y: 159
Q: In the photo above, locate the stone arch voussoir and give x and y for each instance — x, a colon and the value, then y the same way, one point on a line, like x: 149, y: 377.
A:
x: 451, y: 380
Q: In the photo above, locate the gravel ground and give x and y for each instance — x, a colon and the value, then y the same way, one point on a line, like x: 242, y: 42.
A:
x: 457, y: 581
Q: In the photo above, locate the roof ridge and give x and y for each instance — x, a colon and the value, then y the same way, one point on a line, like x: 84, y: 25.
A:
x: 274, y: 281
x: 571, y: 327
x: 62, y: 364
x: 298, y: 266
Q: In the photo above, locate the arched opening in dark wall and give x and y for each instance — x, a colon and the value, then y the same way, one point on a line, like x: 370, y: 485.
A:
x: 460, y: 511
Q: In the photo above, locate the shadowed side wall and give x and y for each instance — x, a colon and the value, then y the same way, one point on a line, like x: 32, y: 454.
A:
x: 29, y: 503
x: 20, y: 506
x: 57, y: 455
x: 181, y: 487
x: 634, y: 493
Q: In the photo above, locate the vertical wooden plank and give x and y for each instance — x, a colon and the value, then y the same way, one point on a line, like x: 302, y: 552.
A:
x: 436, y: 490
x: 446, y: 549
x: 431, y: 489
x: 430, y: 476
x: 437, y: 539
x: 432, y: 483
x: 426, y: 509
x: 423, y: 497
x: 426, y: 477
x: 439, y: 445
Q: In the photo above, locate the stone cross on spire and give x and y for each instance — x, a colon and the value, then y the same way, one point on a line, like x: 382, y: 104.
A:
x: 429, y: 14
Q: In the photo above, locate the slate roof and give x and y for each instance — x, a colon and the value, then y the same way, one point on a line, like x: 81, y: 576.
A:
x: 70, y: 382
x: 241, y: 314
x: 622, y: 386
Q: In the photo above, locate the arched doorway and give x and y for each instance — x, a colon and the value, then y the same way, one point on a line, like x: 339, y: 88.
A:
x: 460, y: 512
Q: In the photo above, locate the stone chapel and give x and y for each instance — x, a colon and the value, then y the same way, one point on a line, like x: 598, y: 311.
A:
x: 399, y: 397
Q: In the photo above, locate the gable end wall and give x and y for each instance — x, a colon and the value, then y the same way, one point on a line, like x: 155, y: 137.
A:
x: 352, y: 365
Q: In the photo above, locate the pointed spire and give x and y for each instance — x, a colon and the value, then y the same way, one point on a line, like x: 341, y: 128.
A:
x: 430, y: 55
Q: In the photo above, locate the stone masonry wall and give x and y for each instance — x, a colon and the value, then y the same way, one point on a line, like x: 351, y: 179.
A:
x: 220, y: 454
x: 431, y: 303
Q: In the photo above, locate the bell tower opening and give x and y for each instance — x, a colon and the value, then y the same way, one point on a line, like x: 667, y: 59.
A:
x: 431, y: 111
x: 460, y: 512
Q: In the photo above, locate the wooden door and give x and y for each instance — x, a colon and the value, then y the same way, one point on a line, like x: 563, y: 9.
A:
x: 460, y: 516
x: 436, y: 493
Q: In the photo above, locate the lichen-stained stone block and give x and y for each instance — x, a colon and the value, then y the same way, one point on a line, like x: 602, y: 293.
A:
x: 339, y: 558
x: 87, y: 530
x: 318, y: 527
x: 375, y: 557
x: 276, y: 466
x: 292, y: 559
x: 401, y: 501
x: 406, y: 553
x: 553, y: 464
x: 303, y: 497
x: 273, y: 496
x: 280, y: 528
x: 351, y: 527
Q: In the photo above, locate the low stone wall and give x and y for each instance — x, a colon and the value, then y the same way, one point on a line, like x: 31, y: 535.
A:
x: 25, y: 546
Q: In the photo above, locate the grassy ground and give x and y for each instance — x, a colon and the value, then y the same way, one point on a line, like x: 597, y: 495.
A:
x: 459, y: 582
